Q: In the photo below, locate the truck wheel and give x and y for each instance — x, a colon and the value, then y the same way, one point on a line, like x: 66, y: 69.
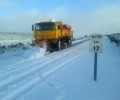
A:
x: 59, y: 45
x: 69, y: 43
x: 66, y: 45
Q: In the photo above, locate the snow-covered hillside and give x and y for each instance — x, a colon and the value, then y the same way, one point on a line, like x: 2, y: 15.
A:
x: 11, y: 43
x: 64, y: 75
x: 15, y: 36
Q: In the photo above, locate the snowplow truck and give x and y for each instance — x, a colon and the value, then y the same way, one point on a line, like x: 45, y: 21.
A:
x: 57, y: 34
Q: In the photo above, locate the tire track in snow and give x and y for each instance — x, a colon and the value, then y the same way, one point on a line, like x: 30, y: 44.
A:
x: 11, y: 67
x: 23, y: 62
x: 28, y: 66
x: 26, y: 74
x: 15, y: 94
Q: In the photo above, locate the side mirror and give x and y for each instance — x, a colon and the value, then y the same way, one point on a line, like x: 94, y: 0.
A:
x: 33, y: 27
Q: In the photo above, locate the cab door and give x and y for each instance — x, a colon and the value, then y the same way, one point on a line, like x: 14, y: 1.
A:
x: 58, y: 30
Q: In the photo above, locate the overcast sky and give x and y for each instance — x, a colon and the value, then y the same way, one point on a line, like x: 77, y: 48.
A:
x: 85, y: 16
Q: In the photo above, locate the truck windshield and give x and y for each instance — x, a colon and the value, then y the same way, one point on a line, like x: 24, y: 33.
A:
x: 45, y: 26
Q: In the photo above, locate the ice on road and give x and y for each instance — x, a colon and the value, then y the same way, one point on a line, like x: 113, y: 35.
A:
x: 64, y: 75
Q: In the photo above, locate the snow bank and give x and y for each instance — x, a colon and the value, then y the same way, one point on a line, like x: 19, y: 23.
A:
x: 20, y: 49
x: 35, y: 53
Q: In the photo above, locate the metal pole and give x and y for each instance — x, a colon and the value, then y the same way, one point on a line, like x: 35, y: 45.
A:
x: 95, y: 66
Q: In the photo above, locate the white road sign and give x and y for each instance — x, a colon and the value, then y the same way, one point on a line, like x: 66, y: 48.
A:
x: 96, y: 43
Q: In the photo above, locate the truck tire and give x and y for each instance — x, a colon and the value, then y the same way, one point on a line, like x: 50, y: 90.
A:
x: 69, y: 43
x: 59, y: 45
x: 66, y: 45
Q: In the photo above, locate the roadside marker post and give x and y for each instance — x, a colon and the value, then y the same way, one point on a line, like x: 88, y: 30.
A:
x: 95, y: 66
x: 96, y: 46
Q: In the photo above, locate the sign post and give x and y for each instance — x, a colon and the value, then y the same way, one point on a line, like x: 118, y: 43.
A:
x: 95, y: 66
x: 96, y: 46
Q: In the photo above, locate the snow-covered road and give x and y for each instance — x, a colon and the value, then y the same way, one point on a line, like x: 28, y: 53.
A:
x: 64, y: 75
x: 17, y: 78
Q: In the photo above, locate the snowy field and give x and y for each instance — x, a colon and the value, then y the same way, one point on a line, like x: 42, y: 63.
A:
x: 11, y: 43
x: 15, y: 36
x: 64, y: 75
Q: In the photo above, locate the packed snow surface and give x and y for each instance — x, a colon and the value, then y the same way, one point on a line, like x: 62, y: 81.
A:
x: 64, y: 75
